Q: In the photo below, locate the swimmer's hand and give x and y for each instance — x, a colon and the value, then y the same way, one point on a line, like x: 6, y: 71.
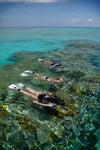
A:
x: 50, y: 105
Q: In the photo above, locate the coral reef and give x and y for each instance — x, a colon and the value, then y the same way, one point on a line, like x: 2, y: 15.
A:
x: 75, y: 125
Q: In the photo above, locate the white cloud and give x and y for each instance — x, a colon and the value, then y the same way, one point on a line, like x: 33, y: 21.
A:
x: 90, y: 19
x: 32, y: 1
x: 74, y: 21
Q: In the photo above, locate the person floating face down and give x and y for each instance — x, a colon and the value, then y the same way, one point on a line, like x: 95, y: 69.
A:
x: 38, y: 76
x: 54, y: 65
x: 40, y: 98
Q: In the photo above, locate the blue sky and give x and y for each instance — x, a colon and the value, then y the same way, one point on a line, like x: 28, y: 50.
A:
x: 70, y: 13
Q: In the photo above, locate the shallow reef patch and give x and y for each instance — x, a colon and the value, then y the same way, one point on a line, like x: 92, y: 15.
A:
x: 24, y: 125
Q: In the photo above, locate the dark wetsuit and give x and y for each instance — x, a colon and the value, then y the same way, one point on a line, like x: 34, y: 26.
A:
x: 49, y: 99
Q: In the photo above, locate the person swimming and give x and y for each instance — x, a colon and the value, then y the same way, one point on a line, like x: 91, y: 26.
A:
x: 54, y: 65
x: 53, y: 80
x: 50, y: 99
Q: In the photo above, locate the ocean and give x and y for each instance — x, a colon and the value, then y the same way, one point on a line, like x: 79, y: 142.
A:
x: 41, y: 39
x: 27, y: 125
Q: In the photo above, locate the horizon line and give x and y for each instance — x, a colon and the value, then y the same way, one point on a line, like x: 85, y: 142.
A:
x: 52, y: 27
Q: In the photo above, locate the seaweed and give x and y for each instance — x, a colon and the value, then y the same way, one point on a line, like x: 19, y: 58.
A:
x: 3, y: 112
x: 26, y: 123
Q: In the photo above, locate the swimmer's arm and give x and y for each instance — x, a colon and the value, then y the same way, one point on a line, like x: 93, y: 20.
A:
x: 50, y: 105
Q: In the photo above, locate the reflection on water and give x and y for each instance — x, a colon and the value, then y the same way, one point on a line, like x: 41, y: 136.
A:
x: 24, y: 125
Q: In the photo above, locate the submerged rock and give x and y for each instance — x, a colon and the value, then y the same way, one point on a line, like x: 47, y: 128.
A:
x: 61, y: 111
x: 21, y: 55
x: 26, y: 124
x: 3, y: 112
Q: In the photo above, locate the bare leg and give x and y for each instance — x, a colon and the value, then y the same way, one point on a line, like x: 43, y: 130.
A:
x: 37, y: 74
x: 47, y: 62
x: 26, y: 93
x: 33, y: 91
x: 36, y: 99
x: 36, y: 78
x: 40, y: 77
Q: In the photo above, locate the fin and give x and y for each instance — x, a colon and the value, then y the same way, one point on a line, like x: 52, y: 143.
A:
x: 24, y: 74
x: 20, y: 85
x: 28, y: 71
x: 13, y: 87
x: 40, y: 59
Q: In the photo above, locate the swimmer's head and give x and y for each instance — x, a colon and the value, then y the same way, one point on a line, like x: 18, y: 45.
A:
x: 41, y: 97
x: 60, y: 65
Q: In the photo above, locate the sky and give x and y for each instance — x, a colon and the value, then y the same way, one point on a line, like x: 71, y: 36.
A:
x: 49, y: 13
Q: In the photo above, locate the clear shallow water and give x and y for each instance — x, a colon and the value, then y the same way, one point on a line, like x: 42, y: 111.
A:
x: 40, y: 39
x: 76, y: 125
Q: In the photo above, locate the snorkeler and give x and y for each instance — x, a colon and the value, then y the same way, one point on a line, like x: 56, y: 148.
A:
x: 54, y: 65
x: 50, y: 100
x: 54, y: 80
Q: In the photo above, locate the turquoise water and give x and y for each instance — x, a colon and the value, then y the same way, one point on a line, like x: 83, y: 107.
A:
x: 40, y: 39
x: 28, y: 126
